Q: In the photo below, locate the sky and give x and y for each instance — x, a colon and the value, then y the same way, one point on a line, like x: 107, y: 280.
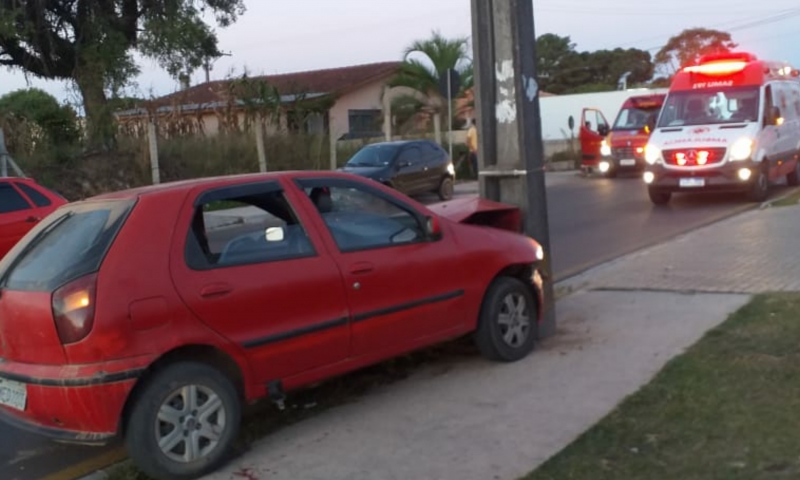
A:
x: 279, y: 36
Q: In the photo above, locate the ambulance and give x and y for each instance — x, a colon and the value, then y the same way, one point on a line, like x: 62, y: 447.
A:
x: 731, y: 122
x: 623, y: 149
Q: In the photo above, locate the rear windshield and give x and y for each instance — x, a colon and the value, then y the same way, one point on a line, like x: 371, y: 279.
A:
x: 68, y: 244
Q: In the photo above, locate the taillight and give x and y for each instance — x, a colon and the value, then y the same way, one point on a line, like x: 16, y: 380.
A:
x: 73, y: 309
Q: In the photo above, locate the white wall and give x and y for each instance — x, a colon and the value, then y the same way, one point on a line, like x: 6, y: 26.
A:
x: 367, y: 97
x: 557, y: 110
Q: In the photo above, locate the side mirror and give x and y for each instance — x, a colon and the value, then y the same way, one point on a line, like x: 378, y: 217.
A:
x: 602, y: 130
x: 274, y: 234
x: 433, y: 230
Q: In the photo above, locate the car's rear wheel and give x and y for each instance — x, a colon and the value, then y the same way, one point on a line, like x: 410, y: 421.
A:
x: 184, y: 422
x: 446, y: 188
x: 508, y: 321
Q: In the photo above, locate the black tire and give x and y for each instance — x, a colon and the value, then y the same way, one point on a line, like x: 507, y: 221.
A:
x: 659, y: 197
x: 492, y: 337
x: 446, y: 188
x: 611, y: 173
x: 759, y: 190
x: 793, y: 178
x: 141, y: 435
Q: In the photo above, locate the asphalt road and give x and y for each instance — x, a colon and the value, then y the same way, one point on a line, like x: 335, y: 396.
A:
x: 592, y: 220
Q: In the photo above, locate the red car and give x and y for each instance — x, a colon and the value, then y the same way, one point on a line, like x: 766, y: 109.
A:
x: 157, y: 313
x: 23, y: 203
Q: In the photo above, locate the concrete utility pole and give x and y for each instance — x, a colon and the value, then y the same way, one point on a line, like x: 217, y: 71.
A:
x: 511, y: 155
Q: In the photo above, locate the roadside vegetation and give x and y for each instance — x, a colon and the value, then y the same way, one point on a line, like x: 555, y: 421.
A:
x: 727, y: 408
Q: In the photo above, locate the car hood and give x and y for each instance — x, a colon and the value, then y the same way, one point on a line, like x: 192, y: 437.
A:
x: 369, y: 172
x: 479, y: 211
x: 622, y: 138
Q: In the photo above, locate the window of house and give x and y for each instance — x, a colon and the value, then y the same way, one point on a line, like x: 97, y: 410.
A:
x: 360, y: 219
x: 10, y: 199
x: 272, y: 231
x: 364, y: 121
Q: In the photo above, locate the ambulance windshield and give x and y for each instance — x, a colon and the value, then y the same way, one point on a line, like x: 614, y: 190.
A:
x: 636, y: 118
x: 711, y: 106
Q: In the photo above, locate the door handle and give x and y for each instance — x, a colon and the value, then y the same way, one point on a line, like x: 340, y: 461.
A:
x: 32, y: 219
x: 216, y: 290
x: 361, y: 267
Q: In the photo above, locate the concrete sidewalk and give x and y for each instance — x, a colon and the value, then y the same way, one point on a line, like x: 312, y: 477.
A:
x: 472, y: 419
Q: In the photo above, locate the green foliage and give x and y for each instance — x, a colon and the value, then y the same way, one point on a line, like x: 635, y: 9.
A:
x: 562, y: 69
x: 57, y: 122
x: 688, y: 46
x: 439, y: 54
x: 92, y: 43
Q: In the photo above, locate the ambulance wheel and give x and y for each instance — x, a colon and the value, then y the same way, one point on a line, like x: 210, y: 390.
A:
x: 659, y: 197
x: 759, y: 190
x: 793, y: 179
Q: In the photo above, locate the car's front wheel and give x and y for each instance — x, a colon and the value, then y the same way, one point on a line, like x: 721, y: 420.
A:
x: 508, y: 321
x: 446, y: 188
x: 184, y: 422
x: 659, y: 197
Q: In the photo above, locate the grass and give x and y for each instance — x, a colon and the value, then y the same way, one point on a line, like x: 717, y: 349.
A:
x: 264, y: 418
x: 729, y: 408
x: 789, y: 200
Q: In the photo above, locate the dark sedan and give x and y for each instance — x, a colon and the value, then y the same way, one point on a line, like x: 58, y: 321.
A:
x: 412, y: 167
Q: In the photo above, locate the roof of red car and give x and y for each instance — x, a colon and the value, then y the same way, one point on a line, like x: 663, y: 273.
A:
x: 185, y: 185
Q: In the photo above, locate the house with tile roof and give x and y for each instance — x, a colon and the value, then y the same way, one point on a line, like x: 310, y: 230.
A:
x: 347, y: 100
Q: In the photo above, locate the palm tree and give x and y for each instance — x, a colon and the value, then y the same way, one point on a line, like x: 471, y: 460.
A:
x: 425, y: 62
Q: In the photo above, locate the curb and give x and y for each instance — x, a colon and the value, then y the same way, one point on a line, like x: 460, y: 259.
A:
x: 789, y: 193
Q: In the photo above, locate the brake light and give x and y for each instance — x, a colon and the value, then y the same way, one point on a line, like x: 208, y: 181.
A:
x: 680, y: 158
x: 74, y: 308
x: 717, y: 68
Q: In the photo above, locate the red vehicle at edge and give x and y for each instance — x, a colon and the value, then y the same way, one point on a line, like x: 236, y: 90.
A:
x: 23, y: 203
x: 620, y: 148
x: 146, y: 317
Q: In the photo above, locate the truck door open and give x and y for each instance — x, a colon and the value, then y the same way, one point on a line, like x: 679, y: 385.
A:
x: 594, y: 128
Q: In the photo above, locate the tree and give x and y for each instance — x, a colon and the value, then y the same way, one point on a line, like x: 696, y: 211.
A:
x: 608, y: 66
x: 57, y: 122
x: 421, y: 75
x: 553, y: 54
x: 687, y: 47
x: 91, y: 42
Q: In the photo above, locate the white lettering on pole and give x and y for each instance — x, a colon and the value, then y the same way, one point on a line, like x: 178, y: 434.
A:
x: 506, y: 108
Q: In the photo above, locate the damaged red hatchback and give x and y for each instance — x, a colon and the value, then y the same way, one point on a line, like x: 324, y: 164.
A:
x: 157, y: 313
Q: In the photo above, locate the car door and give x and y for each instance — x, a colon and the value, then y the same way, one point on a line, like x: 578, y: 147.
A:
x: 43, y: 206
x: 250, y: 269
x: 410, y: 170
x: 435, y: 166
x: 593, y: 131
x: 403, y: 289
x: 771, y: 136
x: 17, y: 216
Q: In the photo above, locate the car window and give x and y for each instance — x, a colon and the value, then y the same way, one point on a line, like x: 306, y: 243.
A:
x: 360, y: 219
x: 412, y: 155
x: 432, y: 153
x: 66, y: 246
x: 11, y: 200
x: 245, y: 226
x: 36, y: 196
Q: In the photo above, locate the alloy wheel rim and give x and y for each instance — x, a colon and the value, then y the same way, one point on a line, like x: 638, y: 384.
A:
x: 514, y: 320
x: 190, y: 423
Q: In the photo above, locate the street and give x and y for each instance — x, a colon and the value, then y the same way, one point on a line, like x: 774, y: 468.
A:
x: 592, y: 220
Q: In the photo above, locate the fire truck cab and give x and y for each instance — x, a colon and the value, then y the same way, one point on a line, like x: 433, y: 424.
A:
x: 623, y: 149
x: 731, y: 122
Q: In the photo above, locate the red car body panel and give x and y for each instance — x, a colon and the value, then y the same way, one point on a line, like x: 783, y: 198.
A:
x: 291, y: 321
x: 14, y: 225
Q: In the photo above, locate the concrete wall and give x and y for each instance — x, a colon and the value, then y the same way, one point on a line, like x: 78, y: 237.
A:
x: 365, y: 98
x: 557, y: 110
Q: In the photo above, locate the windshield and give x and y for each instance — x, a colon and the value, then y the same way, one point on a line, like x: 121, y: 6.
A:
x: 71, y: 243
x: 635, y: 118
x: 373, y: 156
x: 711, y: 106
